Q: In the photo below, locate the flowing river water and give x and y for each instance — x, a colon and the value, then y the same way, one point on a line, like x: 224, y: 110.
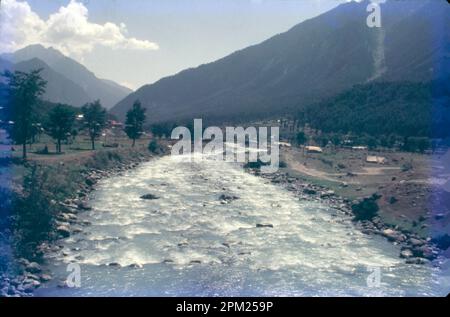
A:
x: 189, y: 243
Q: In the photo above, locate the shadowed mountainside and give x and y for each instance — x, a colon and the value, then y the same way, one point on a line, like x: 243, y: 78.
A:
x: 315, y: 59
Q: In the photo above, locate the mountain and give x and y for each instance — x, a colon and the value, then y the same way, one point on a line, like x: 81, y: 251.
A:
x: 316, y: 59
x: 95, y: 88
x: 59, y: 89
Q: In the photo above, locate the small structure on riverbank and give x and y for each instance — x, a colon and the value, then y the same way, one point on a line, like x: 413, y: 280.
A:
x: 313, y: 149
x: 285, y: 144
x: 376, y: 159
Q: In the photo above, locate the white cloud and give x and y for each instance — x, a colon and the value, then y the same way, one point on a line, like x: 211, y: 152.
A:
x: 68, y: 30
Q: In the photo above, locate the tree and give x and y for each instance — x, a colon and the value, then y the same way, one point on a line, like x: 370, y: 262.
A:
x: 25, y: 92
x: 321, y: 140
x: 61, y: 120
x: 417, y: 144
x: 162, y: 129
x: 371, y: 143
x: 94, y: 116
x: 336, y: 140
x: 135, y: 121
x: 301, y: 138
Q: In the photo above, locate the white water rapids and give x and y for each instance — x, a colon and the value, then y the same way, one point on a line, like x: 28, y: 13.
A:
x: 187, y: 243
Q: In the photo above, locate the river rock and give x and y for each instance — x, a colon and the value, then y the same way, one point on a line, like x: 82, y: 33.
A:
x: 327, y: 194
x: 45, y: 278
x: 33, y: 267
x: 390, y: 234
x: 11, y: 291
x: 149, y: 197
x: 90, y: 181
x: 62, y: 284
x: 28, y: 288
x: 63, y: 231
x: 31, y: 276
x: 439, y: 216
x: 84, y: 206
x: 4, y: 292
x: 309, y: 191
x: 23, y: 262
x: 424, y: 252
x: 77, y: 230
x: 64, y: 217
x: 416, y: 261
x: 368, y: 231
x: 29, y: 283
x: 261, y: 225
x: 406, y: 254
x: 416, y: 242
x: 227, y: 198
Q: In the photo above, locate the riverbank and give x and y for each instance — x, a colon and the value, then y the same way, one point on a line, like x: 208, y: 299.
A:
x: 368, y: 204
x: 86, y: 173
x: 205, y: 228
x: 68, y: 180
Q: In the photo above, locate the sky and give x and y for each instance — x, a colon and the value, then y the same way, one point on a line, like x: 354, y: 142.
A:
x: 137, y: 42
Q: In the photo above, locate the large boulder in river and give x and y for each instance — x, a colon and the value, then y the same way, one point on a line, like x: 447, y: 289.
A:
x: 227, y: 198
x: 90, y: 181
x: 392, y: 235
x: 424, y: 251
x: 63, y: 231
x: 406, y: 254
x: 310, y: 191
x: 264, y: 225
x: 84, y: 206
x: 33, y: 267
x: 149, y: 197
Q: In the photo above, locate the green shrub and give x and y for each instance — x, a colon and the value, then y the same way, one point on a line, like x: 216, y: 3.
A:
x: 407, y: 167
x: 365, y: 209
x: 33, y: 213
x: 155, y: 148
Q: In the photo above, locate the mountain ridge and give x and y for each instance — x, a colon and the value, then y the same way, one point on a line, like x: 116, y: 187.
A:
x: 315, y: 59
x: 106, y: 90
x: 59, y: 89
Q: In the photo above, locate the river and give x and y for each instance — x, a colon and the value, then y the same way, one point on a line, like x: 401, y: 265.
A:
x: 189, y: 243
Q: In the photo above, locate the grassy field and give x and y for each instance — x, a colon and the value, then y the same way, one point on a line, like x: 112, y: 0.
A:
x: 408, y: 183
x: 79, y: 147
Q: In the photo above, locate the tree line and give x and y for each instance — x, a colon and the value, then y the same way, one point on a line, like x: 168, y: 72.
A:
x: 408, y: 144
x: 404, y: 109
x: 24, y: 107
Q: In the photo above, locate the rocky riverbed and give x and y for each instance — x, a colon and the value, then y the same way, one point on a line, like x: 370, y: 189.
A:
x: 210, y: 228
x: 414, y: 249
x: 74, y: 226
x: 30, y: 275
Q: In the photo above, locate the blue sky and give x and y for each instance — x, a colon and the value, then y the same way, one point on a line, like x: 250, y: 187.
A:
x: 156, y: 38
